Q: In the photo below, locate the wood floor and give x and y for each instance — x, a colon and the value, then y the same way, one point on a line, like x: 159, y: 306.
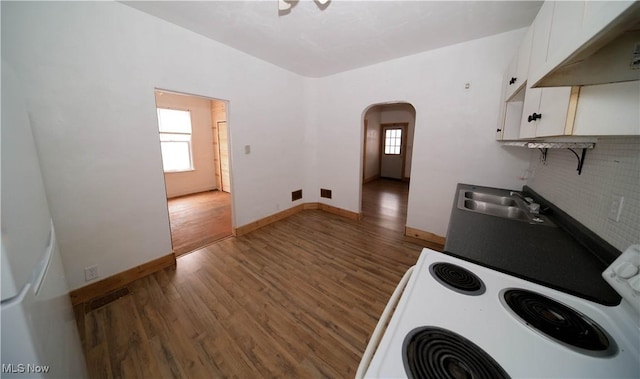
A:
x: 198, y: 220
x: 298, y: 298
x: 384, y: 203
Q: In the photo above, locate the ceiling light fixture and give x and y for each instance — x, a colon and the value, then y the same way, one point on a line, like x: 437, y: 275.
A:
x: 285, y: 5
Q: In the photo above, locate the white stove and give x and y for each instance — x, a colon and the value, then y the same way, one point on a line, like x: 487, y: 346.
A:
x: 440, y: 330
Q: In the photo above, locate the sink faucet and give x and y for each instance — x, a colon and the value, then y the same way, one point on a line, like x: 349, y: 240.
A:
x: 528, y: 200
x: 533, y: 207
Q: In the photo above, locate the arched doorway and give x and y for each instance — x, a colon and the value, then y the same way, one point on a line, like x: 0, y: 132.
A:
x: 386, y: 163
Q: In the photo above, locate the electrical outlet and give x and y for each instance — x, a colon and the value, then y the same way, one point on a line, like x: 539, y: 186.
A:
x: 90, y: 273
x: 615, y: 207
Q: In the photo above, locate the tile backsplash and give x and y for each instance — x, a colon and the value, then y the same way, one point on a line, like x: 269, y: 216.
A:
x: 611, y: 169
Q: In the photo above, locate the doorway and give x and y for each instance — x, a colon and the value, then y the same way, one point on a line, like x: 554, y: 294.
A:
x: 386, y: 164
x: 392, y: 151
x: 197, y: 170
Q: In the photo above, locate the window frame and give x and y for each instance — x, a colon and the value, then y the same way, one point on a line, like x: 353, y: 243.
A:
x: 169, y: 134
x: 398, y: 139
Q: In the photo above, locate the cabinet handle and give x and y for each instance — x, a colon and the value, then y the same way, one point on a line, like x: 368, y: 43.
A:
x: 499, y: 130
x: 534, y: 117
x: 513, y: 80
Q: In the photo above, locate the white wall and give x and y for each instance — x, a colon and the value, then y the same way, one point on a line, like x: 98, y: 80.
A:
x: 455, y: 129
x: 611, y: 168
x: 89, y: 70
x: 203, y: 176
x: 372, y: 153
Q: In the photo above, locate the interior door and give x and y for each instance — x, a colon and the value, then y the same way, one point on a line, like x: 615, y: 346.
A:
x: 393, y: 151
x: 223, y: 145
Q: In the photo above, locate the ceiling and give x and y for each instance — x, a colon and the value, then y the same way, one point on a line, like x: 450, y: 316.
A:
x: 315, y: 41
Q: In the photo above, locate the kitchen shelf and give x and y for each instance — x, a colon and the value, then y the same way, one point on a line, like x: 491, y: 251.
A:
x: 543, y: 146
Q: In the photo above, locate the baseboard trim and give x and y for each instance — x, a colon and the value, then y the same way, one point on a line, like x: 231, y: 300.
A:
x: 291, y: 211
x: 119, y: 280
x: 339, y: 211
x: 425, y: 236
x: 192, y: 192
x: 250, y: 227
x: 371, y: 179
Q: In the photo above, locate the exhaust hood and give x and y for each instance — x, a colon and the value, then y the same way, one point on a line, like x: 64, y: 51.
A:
x: 611, y: 56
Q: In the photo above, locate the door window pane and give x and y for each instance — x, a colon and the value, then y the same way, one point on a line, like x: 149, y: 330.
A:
x: 392, y: 141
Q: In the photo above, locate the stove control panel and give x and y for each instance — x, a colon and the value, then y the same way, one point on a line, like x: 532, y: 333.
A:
x: 624, y: 275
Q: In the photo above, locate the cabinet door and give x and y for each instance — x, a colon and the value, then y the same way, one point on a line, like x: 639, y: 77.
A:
x: 531, y: 105
x: 501, y: 113
x: 566, y: 27
x: 514, y: 88
x: 545, y: 109
x: 519, y: 67
x: 524, y: 54
x: 545, y: 112
x: 540, y: 41
x: 554, y: 104
x: 510, y: 79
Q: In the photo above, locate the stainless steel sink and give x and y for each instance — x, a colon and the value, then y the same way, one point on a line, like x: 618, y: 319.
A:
x: 493, y: 199
x: 496, y: 210
x: 499, y: 206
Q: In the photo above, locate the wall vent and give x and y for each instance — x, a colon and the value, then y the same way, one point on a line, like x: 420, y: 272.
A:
x: 296, y: 195
x: 326, y: 193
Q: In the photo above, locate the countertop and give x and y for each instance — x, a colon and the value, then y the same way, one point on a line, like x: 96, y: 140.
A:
x: 542, y: 254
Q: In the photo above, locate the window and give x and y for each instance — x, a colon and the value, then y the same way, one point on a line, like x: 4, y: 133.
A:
x: 175, y: 139
x: 392, y: 141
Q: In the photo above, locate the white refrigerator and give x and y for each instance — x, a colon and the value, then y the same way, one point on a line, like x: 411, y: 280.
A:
x: 39, y: 335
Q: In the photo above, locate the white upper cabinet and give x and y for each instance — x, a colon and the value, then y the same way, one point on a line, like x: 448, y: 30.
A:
x: 519, y: 67
x: 545, y: 109
x: 513, y: 89
x: 592, y: 42
x: 596, y: 105
x: 565, y: 27
x: 541, y: 32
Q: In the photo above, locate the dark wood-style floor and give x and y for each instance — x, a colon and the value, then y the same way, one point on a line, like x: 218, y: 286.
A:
x: 198, y: 220
x: 297, y: 298
x: 384, y: 203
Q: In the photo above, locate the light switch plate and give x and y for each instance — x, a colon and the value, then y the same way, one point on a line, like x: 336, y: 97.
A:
x: 615, y: 207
